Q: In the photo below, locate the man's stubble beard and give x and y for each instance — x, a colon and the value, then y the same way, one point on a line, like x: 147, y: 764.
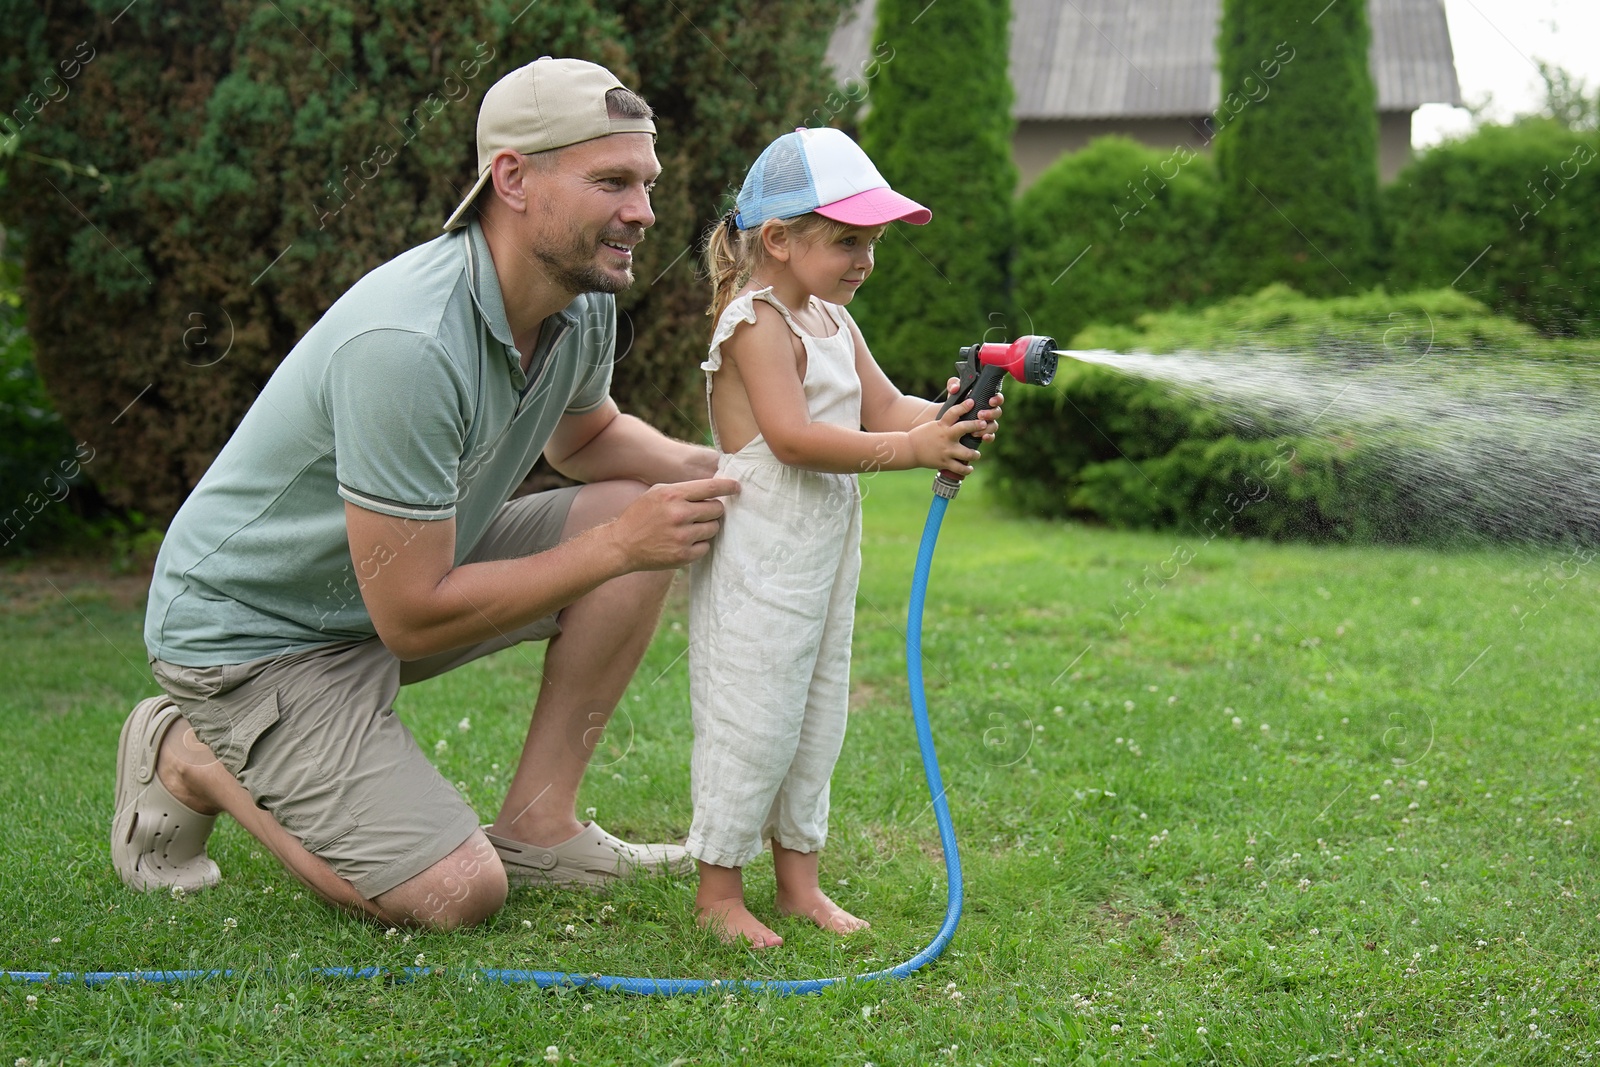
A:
x: 573, y: 268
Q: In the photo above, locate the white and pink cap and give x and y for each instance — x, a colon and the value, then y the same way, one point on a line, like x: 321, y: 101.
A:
x: 824, y: 171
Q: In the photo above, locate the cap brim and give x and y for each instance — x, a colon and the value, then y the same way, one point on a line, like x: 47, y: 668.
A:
x: 458, y: 218
x: 876, y: 207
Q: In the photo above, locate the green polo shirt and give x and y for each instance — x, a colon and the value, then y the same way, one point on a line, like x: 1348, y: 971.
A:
x: 407, y: 398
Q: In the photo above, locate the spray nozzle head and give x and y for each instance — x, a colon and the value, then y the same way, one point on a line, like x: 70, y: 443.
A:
x: 1030, y: 360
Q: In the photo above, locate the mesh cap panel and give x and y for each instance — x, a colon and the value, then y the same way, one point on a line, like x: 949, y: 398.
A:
x: 779, y: 185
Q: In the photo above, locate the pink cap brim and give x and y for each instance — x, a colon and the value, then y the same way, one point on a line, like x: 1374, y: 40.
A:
x: 876, y: 207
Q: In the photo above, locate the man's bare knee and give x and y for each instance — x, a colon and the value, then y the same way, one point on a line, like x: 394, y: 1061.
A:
x: 463, y: 889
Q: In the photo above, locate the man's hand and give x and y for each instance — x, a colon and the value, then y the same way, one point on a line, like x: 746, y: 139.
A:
x: 671, y: 525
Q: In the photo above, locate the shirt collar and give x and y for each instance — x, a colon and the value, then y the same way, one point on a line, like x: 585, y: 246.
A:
x: 484, y: 285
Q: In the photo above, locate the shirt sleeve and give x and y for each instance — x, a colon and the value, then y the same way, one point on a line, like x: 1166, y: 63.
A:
x: 399, y: 410
x: 597, y: 342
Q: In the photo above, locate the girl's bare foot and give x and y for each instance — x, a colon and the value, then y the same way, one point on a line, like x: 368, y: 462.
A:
x: 719, y: 907
x: 815, y: 905
x: 800, y: 893
x: 732, y: 922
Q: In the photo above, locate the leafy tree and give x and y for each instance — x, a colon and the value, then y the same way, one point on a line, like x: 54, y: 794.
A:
x: 1297, y: 150
x: 1507, y: 215
x: 1567, y: 99
x: 939, y: 126
x: 196, y: 184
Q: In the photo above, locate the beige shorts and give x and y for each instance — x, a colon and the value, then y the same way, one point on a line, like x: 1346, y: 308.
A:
x: 313, y: 736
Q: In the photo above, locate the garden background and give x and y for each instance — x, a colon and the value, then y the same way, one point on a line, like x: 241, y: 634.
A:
x: 1221, y: 799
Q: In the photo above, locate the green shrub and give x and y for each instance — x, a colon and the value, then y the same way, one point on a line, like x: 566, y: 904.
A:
x: 1091, y: 415
x: 1509, y: 215
x: 1111, y: 232
x: 1277, y: 317
x: 1297, y: 150
x: 939, y: 129
x: 42, y: 481
x: 1282, y: 488
x: 1111, y: 447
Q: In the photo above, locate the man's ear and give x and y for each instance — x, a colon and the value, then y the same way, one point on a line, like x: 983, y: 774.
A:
x: 775, y: 238
x: 509, y: 172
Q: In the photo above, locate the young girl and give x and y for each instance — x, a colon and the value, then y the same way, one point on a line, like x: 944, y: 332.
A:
x: 798, y: 407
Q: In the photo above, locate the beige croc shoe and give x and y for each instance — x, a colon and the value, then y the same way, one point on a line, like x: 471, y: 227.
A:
x: 592, y: 860
x: 157, y: 842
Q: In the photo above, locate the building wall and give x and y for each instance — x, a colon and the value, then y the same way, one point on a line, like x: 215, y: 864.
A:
x: 1040, y: 142
x: 1394, y: 143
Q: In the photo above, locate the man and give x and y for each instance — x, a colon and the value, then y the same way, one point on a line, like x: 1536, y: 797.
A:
x: 354, y: 535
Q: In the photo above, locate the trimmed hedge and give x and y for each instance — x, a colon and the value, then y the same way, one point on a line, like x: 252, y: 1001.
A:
x: 1510, y: 214
x: 1108, y: 233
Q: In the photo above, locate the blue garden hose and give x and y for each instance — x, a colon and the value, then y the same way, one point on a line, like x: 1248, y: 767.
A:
x: 677, y: 986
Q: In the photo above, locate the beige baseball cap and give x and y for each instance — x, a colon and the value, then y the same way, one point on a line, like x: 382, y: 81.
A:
x: 550, y: 103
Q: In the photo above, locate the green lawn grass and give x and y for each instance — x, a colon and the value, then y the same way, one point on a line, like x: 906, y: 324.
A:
x: 1285, y: 805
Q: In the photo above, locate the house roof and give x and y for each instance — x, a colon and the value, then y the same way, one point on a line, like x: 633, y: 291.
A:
x: 1104, y: 59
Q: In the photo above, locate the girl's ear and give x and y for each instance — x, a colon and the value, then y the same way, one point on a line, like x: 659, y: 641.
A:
x: 776, y: 240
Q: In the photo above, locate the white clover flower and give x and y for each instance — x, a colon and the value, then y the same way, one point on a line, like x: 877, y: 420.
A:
x: 421, y: 959
x: 464, y: 725
x: 441, y: 746
x: 230, y: 923
x: 552, y: 1054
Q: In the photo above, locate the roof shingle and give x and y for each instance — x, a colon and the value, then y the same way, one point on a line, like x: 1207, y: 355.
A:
x: 1099, y: 59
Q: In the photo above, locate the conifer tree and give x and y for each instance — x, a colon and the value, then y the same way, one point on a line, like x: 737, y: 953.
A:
x: 1297, y: 147
x: 939, y: 127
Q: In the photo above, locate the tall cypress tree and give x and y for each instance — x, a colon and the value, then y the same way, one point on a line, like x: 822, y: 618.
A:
x: 1297, y: 146
x: 939, y: 129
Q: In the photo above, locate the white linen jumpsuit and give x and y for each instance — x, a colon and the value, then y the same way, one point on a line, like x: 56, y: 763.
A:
x: 771, y: 610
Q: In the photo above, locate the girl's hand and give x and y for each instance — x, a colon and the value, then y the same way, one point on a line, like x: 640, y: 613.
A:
x: 990, y: 415
x: 937, y: 445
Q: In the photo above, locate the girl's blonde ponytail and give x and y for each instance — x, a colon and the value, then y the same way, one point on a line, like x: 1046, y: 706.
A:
x: 727, y: 262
